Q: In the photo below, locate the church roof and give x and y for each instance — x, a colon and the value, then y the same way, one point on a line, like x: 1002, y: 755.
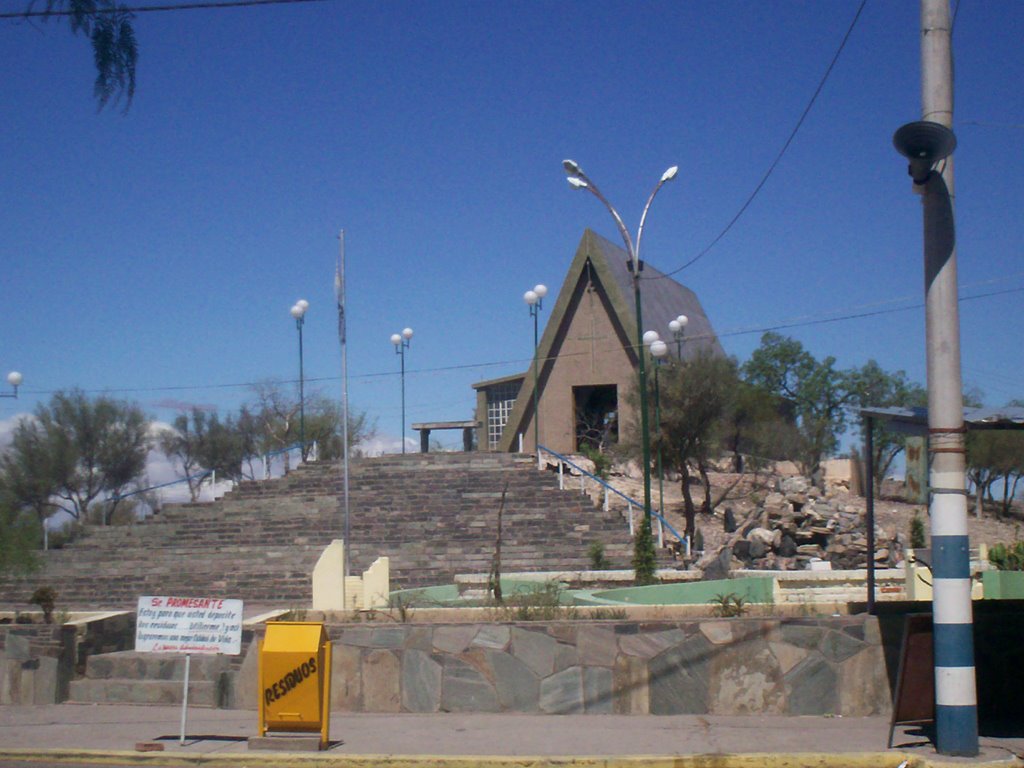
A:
x: 662, y: 300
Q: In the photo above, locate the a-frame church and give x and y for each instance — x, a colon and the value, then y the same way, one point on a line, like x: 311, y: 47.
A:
x: 588, y: 357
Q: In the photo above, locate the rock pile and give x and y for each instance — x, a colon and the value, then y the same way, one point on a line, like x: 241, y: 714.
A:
x: 797, y: 524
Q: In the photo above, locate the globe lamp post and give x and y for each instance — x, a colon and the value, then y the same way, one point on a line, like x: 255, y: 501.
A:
x: 14, y: 379
x: 535, y: 301
x: 298, y: 311
x: 401, y: 342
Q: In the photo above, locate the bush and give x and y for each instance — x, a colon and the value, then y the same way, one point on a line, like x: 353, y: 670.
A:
x: 598, y: 562
x: 602, y: 461
x: 45, y: 598
x: 1007, y: 557
x: 917, y: 537
x: 729, y: 605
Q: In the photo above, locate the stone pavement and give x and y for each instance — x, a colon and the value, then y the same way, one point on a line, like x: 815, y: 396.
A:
x: 74, y: 733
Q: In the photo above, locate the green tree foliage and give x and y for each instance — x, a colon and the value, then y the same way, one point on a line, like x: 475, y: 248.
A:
x: 19, y: 535
x: 80, y: 448
x: 644, y: 560
x: 870, y: 385
x: 28, y: 471
x: 705, y: 410
x: 199, y: 442
x: 816, y: 392
x: 275, y: 416
x: 995, y: 458
x: 108, y: 25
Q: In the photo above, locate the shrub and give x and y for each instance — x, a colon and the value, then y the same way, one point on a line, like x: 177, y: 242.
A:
x: 45, y: 598
x: 598, y: 562
x: 917, y: 537
x: 1007, y: 557
x: 602, y: 461
x: 729, y: 605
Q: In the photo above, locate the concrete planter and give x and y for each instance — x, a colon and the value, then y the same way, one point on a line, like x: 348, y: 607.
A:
x: 1003, y: 585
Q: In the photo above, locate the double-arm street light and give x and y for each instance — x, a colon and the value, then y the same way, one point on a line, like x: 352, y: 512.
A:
x: 678, y: 328
x: 579, y: 180
x: 298, y: 311
x: 14, y: 379
x: 535, y: 301
x: 401, y: 342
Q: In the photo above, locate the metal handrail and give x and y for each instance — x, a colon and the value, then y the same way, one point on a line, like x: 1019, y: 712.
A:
x: 212, y: 472
x: 608, y: 488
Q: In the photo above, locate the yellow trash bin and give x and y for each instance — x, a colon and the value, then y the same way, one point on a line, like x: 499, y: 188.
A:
x: 295, y: 679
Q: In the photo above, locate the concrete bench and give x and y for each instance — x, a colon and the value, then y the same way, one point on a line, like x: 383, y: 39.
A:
x: 427, y: 427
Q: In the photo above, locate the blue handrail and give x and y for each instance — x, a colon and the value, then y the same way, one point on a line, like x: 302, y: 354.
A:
x: 608, y: 487
x: 206, y: 473
x: 200, y: 476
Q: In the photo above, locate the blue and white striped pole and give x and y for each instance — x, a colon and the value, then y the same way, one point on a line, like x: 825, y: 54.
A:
x: 956, y: 700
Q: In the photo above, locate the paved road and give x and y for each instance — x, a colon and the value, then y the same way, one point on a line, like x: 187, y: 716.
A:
x: 215, y: 735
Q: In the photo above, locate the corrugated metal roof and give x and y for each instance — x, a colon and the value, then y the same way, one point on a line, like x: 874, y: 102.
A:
x: 1007, y: 417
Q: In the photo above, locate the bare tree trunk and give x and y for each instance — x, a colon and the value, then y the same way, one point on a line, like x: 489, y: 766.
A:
x: 494, y: 577
x: 702, y: 467
x: 688, y: 509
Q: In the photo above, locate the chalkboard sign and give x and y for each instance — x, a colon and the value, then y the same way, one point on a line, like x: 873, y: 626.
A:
x: 915, y: 678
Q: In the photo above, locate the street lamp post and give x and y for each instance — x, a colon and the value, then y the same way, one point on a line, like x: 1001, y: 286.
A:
x: 678, y: 328
x: 298, y: 311
x: 579, y: 180
x: 14, y: 379
x: 659, y: 349
x: 535, y: 300
x: 401, y: 342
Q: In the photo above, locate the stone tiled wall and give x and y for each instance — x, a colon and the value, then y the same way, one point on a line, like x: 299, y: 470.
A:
x: 722, y: 666
x: 36, y: 663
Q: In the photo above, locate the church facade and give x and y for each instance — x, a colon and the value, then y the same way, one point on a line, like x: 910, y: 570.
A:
x: 587, y: 356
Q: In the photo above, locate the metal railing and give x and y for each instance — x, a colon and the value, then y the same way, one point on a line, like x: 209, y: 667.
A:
x: 267, y: 460
x: 608, y: 491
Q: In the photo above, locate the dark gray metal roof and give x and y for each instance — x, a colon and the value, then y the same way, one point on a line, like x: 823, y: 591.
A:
x: 915, y: 420
x: 663, y: 299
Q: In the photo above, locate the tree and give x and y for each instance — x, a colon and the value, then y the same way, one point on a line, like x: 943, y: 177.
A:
x: 95, y: 449
x: 18, y: 537
x: 189, y: 444
x: 817, y: 393
x: 994, y: 455
x: 27, y: 471
x: 274, y: 415
x: 108, y: 25
x: 873, y: 386
x: 696, y: 401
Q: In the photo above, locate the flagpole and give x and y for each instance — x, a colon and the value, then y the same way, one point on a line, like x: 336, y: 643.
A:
x: 339, y: 290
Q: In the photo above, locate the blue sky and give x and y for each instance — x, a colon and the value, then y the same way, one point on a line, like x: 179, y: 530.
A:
x: 156, y: 254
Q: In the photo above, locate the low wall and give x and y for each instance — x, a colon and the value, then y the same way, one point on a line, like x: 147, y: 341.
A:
x: 720, y: 666
x: 38, y: 661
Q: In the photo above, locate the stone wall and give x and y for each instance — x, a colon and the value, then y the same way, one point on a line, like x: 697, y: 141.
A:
x: 721, y: 666
x: 36, y: 663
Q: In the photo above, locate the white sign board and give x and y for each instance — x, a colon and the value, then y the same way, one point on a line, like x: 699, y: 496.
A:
x: 189, y: 625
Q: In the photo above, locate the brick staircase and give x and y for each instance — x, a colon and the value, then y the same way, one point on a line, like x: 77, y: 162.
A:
x: 433, y: 515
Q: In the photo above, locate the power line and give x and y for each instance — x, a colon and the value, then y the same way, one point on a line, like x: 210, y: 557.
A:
x: 491, y: 364
x: 158, y: 8
x: 778, y: 158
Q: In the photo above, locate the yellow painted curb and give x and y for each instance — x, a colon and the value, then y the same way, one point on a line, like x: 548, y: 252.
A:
x: 337, y: 760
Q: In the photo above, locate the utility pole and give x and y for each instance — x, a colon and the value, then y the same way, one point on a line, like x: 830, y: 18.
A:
x: 956, y: 715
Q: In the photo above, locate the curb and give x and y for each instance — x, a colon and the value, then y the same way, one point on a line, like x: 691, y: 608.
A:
x: 285, y: 760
